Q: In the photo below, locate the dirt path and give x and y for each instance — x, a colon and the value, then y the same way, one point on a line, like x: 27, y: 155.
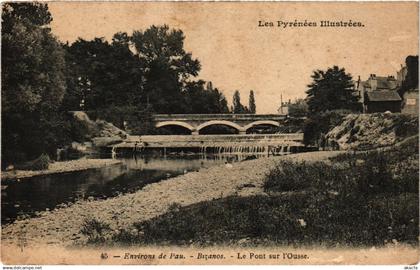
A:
x: 62, y: 226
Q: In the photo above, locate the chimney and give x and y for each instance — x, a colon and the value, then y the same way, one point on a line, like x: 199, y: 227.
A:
x: 373, y: 82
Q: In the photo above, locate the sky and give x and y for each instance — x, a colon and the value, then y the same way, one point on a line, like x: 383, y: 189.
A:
x: 237, y: 54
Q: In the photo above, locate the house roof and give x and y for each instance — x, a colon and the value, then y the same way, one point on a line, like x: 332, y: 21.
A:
x: 381, y: 83
x: 386, y: 83
x: 383, y: 95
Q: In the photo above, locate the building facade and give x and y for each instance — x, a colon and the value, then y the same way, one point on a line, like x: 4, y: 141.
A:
x: 379, y: 94
x: 410, y: 103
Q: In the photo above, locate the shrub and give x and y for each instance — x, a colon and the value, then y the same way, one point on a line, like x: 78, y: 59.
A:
x: 79, y: 131
x: 406, y: 125
x: 321, y: 123
x: 292, y: 176
x: 41, y: 163
x: 95, y: 230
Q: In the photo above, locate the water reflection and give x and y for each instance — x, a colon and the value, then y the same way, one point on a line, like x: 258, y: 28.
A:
x: 41, y: 192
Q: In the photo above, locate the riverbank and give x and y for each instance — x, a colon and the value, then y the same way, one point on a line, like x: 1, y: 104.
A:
x: 62, y: 226
x: 61, y: 167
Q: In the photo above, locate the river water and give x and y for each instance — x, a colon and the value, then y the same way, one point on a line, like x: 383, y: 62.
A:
x: 29, y: 196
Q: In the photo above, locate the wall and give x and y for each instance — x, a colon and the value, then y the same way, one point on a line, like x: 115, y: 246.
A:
x: 411, y: 103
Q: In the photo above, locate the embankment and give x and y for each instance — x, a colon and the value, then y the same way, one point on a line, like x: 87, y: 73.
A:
x: 369, y: 131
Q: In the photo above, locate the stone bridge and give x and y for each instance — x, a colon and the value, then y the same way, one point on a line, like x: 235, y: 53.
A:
x: 196, y: 122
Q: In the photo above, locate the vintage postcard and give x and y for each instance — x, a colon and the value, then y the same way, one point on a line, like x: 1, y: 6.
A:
x: 209, y: 133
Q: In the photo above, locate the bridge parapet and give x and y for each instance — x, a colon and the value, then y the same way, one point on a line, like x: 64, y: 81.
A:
x: 226, y: 116
x: 196, y: 122
x: 296, y: 137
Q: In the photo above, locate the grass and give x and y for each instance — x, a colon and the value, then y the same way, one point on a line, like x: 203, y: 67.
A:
x: 357, y: 199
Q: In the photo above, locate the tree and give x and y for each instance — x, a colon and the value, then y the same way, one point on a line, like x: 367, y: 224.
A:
x: 33, y: 83
x: 411, y: 80
x: 330, y: 90
x: 204, y: 100
x: 168, y: 67
x: 299, y: 108
x: 252, y: 106
x: 237, y: 107
x: 104, y: 77
x: 146, y: 73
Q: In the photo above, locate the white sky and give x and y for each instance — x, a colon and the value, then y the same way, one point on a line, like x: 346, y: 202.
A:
x: 237, y: 54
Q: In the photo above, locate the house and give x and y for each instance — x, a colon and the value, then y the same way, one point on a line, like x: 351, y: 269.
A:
x: 284, y: 108
x: 382, y: 101
x: 379, y: 94
x: 410, y: 104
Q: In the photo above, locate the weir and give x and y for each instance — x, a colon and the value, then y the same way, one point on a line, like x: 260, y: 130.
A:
x: 267, y: 144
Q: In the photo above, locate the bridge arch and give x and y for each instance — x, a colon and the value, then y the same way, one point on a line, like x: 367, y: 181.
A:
x: 262, y: 122
x: 220, y: 122
x: 174, y: 123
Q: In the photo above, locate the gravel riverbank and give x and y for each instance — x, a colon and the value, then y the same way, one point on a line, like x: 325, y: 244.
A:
x: 60, y: 167
x: 62, y: 226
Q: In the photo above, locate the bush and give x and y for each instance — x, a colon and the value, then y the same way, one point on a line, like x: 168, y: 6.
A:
x: 41, y: 163
x: 95, y: 230
x: 79, y: 131
x: 321, y: 123
x: 406, y: 126
x: 291, y: 176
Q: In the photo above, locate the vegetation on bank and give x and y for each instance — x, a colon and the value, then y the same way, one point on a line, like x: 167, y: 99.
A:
x: 357, y: 199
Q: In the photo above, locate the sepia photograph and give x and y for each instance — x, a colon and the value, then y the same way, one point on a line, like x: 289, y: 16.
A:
x: 209, y: 133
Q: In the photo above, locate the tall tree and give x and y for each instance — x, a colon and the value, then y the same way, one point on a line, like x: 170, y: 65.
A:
x: 169, y: 67
x: 330, y: 90
x: 33, y: 83
x: 237, y: 107
x: 252, y: 106
x: 103, y: 74
x: 204, y: 100
x: 411, y: 80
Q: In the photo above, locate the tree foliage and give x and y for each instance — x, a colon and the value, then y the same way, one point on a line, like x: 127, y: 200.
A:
x: 168, y: 67
x: 299, y: 108
x: 148, y: 72
x: 237, y: 106
x: 124, y: 80
x: 33, y: 83
x: 331, y: 90
x: 252, y: 106
x: 411, y: 80
x: 204, y: 100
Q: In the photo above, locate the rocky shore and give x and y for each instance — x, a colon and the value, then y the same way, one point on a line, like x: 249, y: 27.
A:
x: 60, y: 167
x: 62, y: 225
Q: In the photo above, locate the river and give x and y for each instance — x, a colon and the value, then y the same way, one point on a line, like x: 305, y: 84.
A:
x: 28, y: 197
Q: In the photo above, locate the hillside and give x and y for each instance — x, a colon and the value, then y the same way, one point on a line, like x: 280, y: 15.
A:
x: 367, y: 131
